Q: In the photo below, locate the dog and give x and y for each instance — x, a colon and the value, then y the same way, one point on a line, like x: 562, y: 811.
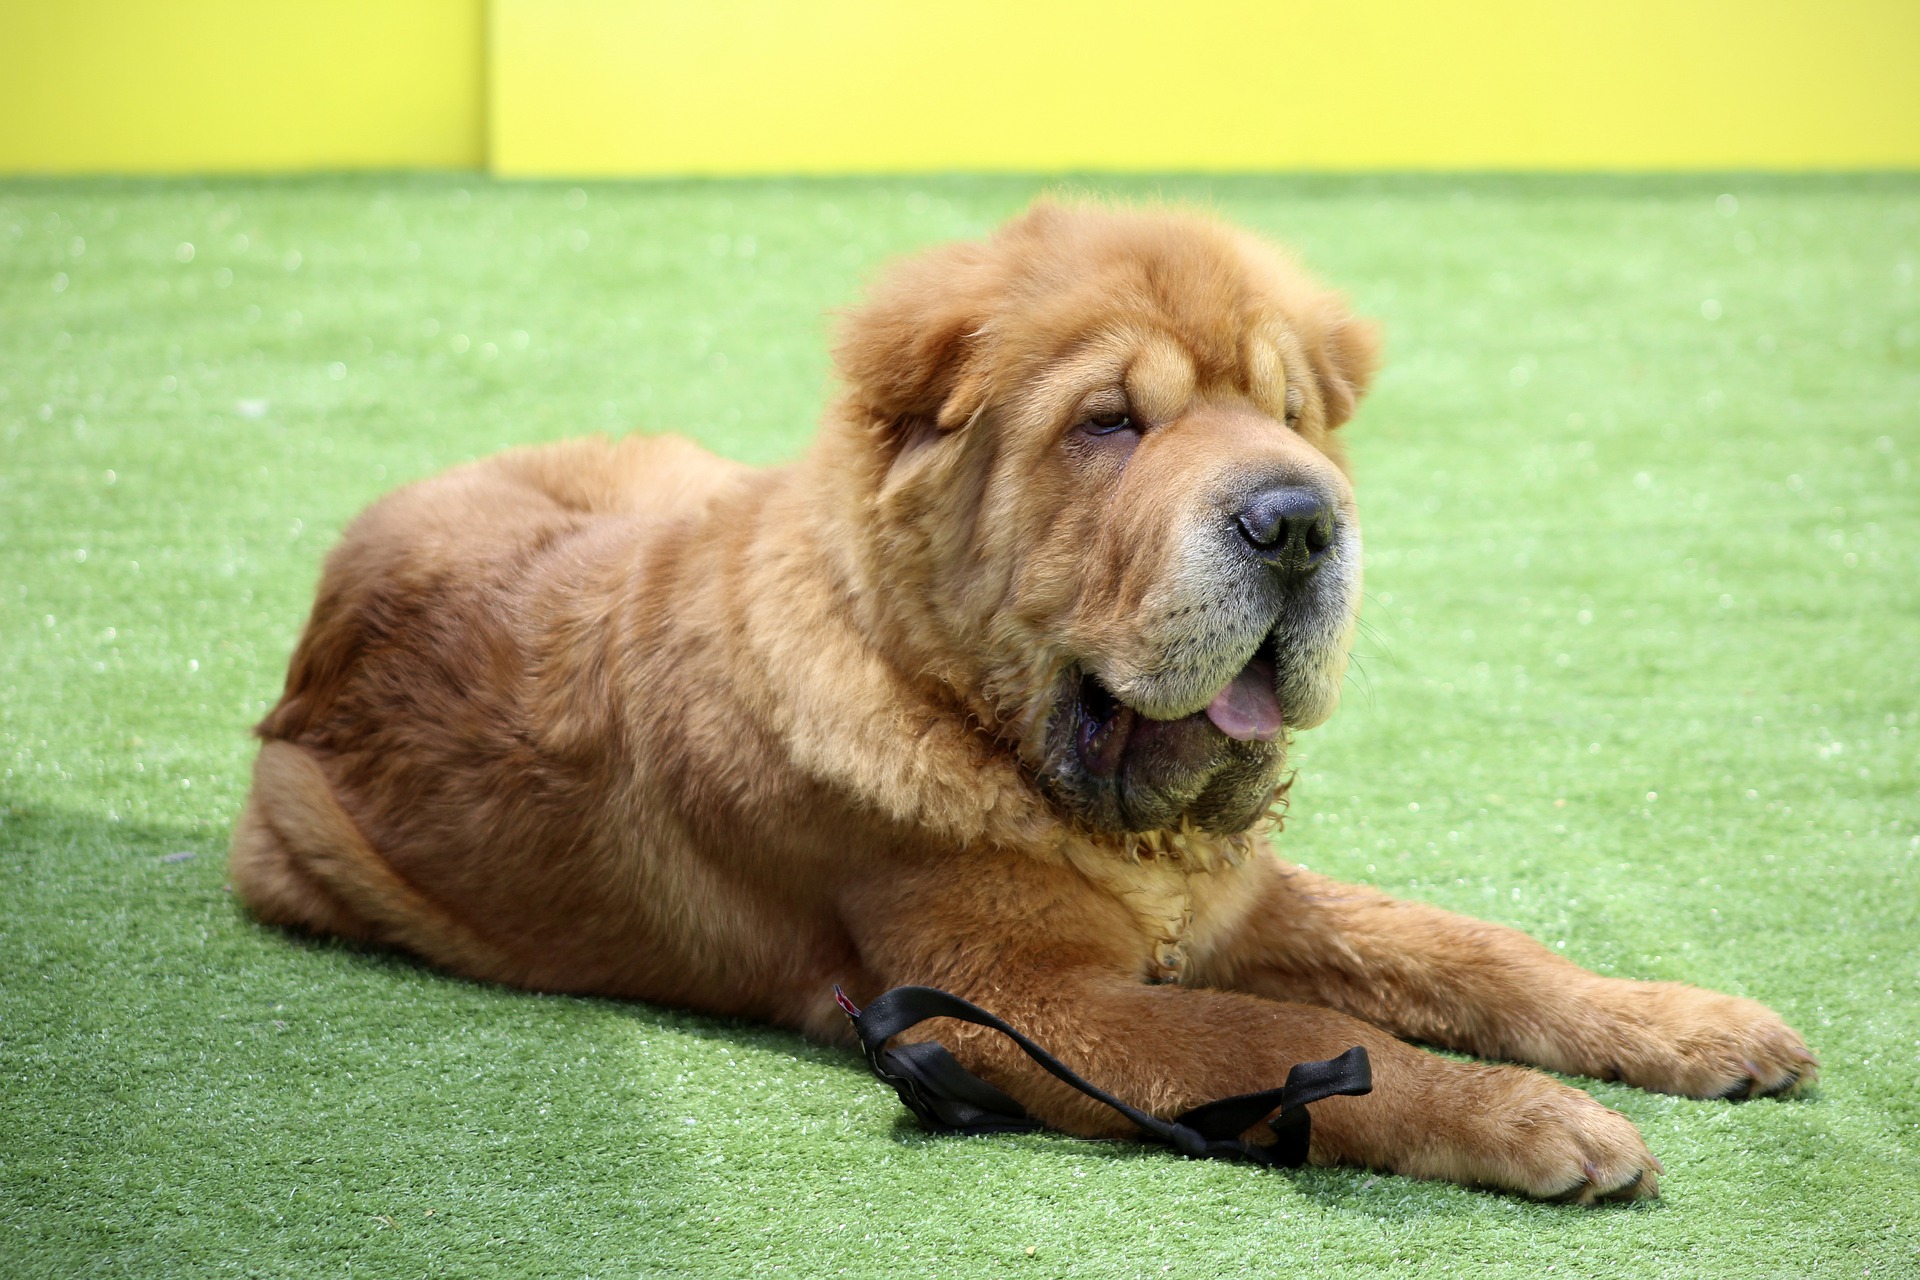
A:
x: 990, y: 691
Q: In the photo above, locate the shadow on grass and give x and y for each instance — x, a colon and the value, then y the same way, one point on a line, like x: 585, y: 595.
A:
x: 1341, y: 1189
x: 83, y: 843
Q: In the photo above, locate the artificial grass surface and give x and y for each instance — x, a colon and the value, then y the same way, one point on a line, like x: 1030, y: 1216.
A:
x: 1642, y: 677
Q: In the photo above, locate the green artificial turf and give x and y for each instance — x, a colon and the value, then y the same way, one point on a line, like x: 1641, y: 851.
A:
x: 1641, y: 676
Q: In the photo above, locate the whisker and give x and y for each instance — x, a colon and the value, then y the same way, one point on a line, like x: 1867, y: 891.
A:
x: 1379, y: 638
x: 1365, y: 682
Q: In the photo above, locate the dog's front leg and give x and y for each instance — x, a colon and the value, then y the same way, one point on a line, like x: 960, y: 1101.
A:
x: 1489, y: 990
x: 1055, y: 957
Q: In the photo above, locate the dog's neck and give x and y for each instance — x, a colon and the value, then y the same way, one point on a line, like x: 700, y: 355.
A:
x: 972, y: 654
x: 813, y: 606
x: 1157, y: 876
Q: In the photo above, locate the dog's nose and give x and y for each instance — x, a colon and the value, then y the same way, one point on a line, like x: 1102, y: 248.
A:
x: 1287, y: 526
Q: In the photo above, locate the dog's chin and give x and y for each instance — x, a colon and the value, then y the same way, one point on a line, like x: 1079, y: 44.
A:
x: 1113, y: 770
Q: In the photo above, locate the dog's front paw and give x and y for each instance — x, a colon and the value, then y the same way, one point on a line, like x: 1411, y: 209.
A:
x: 1502, y: 1127
x: 1673, y: 1038
x: 1532, y: 1134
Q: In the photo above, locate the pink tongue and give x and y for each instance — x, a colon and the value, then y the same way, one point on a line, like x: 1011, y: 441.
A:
x: 1246, y: 710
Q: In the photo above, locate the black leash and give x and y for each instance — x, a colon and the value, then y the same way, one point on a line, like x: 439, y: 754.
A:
x: 946, y: 1096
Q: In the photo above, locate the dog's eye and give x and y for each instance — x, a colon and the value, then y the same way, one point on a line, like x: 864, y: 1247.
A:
x: 1296, y: 401
x: 1105, y: 424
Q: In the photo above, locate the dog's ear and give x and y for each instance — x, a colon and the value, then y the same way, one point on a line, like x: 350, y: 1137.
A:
x: 1345, y: 354
x: 911, y: 355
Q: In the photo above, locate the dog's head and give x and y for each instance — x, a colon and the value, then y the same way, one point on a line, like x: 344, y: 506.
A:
x: 1106, y: 505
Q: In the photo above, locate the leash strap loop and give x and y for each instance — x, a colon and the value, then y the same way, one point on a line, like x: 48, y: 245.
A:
x: 948, y: 1097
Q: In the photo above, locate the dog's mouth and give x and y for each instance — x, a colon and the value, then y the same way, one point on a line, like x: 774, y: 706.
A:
x: 1246, y: 709
x: 1114, y: 768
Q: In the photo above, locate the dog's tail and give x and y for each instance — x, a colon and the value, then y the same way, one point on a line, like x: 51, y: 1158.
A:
x: 299, y: 860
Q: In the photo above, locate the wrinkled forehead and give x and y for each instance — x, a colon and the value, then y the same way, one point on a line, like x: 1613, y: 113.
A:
x: 1167, y: 332
x: 1179, y: 309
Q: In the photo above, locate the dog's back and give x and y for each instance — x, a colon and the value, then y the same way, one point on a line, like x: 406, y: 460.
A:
x: 431, y: 646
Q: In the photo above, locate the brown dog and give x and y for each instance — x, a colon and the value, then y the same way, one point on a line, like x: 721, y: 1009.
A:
x: 985, y: 693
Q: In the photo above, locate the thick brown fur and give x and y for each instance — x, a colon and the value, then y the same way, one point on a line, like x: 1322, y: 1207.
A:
x: 628, y: 719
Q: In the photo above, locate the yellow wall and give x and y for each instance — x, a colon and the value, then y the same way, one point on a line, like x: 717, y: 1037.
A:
x: 584, y: 87
x: 747, y: 86
x: 149, y: 86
